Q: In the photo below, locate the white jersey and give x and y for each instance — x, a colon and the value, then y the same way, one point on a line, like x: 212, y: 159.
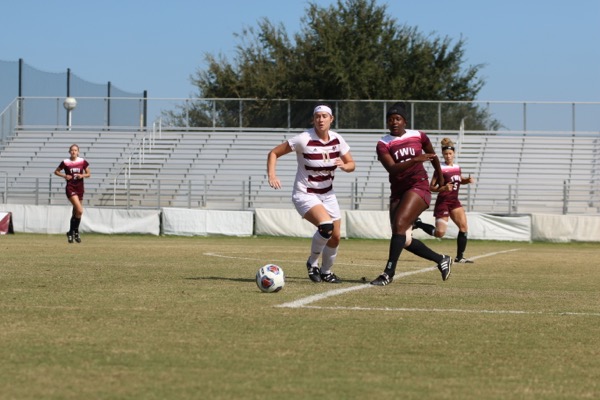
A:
x: 316, y: 160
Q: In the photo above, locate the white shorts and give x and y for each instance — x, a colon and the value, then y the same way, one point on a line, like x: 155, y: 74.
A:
x: 305, y: 201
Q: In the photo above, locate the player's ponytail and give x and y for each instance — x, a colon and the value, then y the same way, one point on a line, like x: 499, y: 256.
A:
x: 447, y: 144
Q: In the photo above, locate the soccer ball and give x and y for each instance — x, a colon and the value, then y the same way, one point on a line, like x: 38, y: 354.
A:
x: 70, y: 103
x: 270, y: 278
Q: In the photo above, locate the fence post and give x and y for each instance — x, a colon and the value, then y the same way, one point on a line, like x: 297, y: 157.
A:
x: 289, y: 114
x: 49, y: 190
x: 355, y: 194
x: 243, y: 195
x: 565, y: 198
x: 128, y: 192
x: 469, y: 198
x: 510, y: 200
x: 158, y: 196
x: 214, y: 113
x: 250, y: 192
x: 187, y: 113
x: 5, y: 192
x: 525, y: 117
x: 203, y: 202
x: 352, y: 198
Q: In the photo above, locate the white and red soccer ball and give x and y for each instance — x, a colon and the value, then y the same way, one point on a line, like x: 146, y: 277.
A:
x: 270, y: 278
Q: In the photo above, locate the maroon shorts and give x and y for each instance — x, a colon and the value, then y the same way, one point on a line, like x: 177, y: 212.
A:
x: 443, y: 207
x: 422, y: 191
x: 74, y: 190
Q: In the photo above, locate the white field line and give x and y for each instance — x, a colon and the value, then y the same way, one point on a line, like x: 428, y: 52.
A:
x: 311, y: 299
x: 456, y: 310
x: 304, y: 303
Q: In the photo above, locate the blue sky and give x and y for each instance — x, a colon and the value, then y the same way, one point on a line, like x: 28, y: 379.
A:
x: 533, y: 50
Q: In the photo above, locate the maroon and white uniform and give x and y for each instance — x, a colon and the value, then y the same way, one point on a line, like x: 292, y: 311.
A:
x: 448, y: 200
x: 403, y: 148
x: 316, y: 169
x: 74, y: 185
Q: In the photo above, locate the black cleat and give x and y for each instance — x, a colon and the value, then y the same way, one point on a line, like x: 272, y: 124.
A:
x: 70, y: 237
x: 76, y: 237
x: 330, y: 278
x: 463, y: 261
x: 415, y: 224
x: 314, y: 273
x: 382, y: 280
x: 444, y: 267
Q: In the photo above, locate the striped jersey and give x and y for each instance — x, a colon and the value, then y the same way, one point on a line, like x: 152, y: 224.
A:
x: 316, y: 159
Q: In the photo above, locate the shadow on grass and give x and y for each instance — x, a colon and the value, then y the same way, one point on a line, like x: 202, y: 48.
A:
x: 287, y: 279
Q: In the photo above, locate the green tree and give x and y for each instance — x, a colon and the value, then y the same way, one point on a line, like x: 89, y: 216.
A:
x: 351, y: 50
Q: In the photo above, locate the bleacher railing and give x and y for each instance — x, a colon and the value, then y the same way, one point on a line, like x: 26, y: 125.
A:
x: 243, y: 193
x: 578, y: 192
x: 218, y: 113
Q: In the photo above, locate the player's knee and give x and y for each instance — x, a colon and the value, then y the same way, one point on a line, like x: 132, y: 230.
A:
x: 408, y: 241
x: 439, y: 234
x: 334, y: 241
x: 326, y: 229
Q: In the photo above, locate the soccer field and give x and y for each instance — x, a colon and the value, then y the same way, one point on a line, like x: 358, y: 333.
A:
x: 143, y: 317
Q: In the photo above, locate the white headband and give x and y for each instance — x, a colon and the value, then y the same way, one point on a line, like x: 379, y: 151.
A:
x: 323, y: 109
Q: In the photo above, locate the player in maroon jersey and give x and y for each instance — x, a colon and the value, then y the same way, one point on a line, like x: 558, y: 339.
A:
x: 74, y: 169
x: 402, y: 153
x: 447, y: 203
x: 319, y: 152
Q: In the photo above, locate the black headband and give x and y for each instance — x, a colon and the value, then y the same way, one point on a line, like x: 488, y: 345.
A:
x: 448, y: 148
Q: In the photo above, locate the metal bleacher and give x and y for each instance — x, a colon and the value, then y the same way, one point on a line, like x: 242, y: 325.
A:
x: 552, y: 174
x: 517, y: 172
x: 30, y: 157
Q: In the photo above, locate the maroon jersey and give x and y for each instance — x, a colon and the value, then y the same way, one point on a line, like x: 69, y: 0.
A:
x: 74, y: 185
x: 448, y: 200
x: 403, y: 148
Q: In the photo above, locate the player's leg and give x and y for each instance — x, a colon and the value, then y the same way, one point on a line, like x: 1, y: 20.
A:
x: 75, y: 218
x: 459, y: 217
x: 403, y: 212
x: 438, y: 231
x: 330, y: 253
x: 420, y: 249
x: 318, y: 216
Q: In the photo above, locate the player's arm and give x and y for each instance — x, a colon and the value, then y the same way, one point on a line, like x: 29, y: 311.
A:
x: 274, y: 154
x: 86, y: 173
x: 346, y: 162
x: 466, y: 181
x: 58, y: 172
x: 433, y: 186
x: 435, y: 161
x: 393, y: 168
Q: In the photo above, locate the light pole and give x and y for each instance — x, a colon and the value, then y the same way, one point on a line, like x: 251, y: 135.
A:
x: 70, y: 103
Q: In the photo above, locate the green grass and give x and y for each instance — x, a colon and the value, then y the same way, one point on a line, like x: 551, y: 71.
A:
x: 141, y: 317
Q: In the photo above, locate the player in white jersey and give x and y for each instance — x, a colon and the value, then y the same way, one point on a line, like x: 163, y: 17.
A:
x: 319, y: 152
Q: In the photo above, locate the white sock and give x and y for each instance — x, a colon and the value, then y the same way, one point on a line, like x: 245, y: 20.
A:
x: 329, y: 254
x: 316, y: 248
